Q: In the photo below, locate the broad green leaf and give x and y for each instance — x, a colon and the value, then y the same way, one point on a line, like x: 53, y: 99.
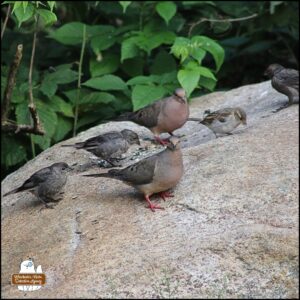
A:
x: 140, y: 80
x: 124, y: 4
x: 96, y: 98
x: 23, y: 15
x: 143, y: 95
x: 129, y: 48
x: 198, y: 54
x: 62, y: 76
x: 48, y: 87
x: 188, y: 78
x: 208, y: 83
x: 211, y: 46
x: 165, y: 78
x: 109, y: 64
x: 166, y: 9
x: 180, y: 48
x: 102, y: 37
x: 24, y: 3
x: 61, y: 106
x: 72, y: 94
x: 63, y: 127
x: 13, y: 151
x: 68, y: 34
x: 22, y: 113
x: 48, y: 118
x: 17, y: 4
x: 206, y: 73
x: 17, y: 96
x: 48, y: 16
x: 106, y: 82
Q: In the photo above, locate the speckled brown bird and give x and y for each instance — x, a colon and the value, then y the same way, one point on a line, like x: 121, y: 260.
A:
x: 155, y: 174
x: 109, y: 146
x: 285, y: 81
x: 46, y: 184
x: 165, y: 115
x: 224, y: 120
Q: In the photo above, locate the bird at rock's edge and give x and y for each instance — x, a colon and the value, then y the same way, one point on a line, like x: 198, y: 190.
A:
x: 155, y: 174
x: 46, y: 184
x: 223, y: 121
x: 110, y: 145
x: 285, y: 81
x: 165, y: 115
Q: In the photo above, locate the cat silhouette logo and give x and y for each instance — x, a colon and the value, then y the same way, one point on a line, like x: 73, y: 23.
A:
x: 29, y: 279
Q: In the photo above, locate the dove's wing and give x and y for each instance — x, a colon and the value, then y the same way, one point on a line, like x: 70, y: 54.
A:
x: 289, y: 77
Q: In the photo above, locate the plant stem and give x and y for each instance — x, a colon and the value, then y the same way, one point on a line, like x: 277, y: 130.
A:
x: 5, y: 21
x: 79, y: 79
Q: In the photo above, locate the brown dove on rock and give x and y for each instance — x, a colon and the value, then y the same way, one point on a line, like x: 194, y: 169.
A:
x: 165, y: 115
x: 285, y: 81
x: 109, y: 146
x: 154, y: 174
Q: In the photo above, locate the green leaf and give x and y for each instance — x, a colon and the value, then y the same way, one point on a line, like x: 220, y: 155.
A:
x: 180, y: 48
x: 48, y: 119
x: 64, y: 126
x: 103, y: 37
x: 48, y: 16
x: 140, y: 80
x: 124, y: 4
x: 24, y: 3
x: 72, y: 94
x: 109, y: 64
x: 22, y: 113
x: 13, y: 152
x: 198, y: 54
x: 208, y: 83
x: 166, y: 9
x: 23, y: 14
x: 48, y: 87
x: 68, y: 34
x: 62, y: 76
x: 188, y: 78
x: 61, y: 106
x: 212, y: 47
x: 106, y: 82
x: 206, y: 73
x: 129, y: 48
x: 96, y: 98
x: 143, y: 95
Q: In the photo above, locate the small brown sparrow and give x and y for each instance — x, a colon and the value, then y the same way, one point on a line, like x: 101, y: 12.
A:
x: 223, y: 121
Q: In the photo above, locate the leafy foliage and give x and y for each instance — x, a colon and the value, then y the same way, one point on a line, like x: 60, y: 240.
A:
x: 136, y: 52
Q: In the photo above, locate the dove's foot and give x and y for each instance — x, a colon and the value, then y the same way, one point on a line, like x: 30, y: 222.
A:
x: 47, y: 205
x: 165, y: 195
x: 151, y: 205
x: 161, y: 141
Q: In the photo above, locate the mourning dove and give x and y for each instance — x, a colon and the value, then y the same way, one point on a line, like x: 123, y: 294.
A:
x: 46, y: 184
x: 165, y: 115
x: 285, y: 81
x: 110, y: 145
x: 223, y: 121
x: 154, y: 174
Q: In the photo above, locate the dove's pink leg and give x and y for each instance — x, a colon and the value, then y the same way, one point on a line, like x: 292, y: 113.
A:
x: 165, y: 195
x: 161, y: 141
x: 151, y: 205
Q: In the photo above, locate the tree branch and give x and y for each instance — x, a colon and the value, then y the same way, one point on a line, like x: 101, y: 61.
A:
x: 193, y: 25
x: 11, y: 81
x: 5, y: 21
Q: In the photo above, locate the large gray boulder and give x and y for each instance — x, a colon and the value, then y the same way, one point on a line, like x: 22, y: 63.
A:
x: 230, y: 231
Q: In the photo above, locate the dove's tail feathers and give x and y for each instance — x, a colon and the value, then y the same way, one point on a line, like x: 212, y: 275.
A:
x: 77, y: 145
x: 195, y: 119
x: 19, y: 189
x: 113, y: 173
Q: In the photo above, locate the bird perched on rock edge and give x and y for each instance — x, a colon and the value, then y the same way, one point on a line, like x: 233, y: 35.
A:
x: 165, y: 115
x: 223, y: 121
x: 109, y: 146
x: 46, y: 184
x: 155, y: 174
x: 285, y: 81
